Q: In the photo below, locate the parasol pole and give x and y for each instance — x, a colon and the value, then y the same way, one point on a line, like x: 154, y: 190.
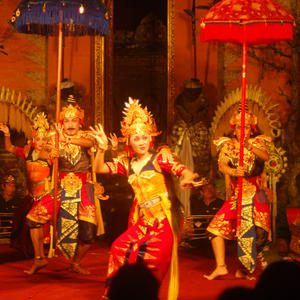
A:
x: 194, y: 39
x: 192, y: 13
x: 242, y: 134
x: 58, y: 97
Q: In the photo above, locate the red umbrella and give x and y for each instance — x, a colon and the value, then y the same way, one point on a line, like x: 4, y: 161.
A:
x: 246, y: 22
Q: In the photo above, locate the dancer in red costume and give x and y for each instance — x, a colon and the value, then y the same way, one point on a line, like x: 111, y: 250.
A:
x: 154, y: 222
x: 38, y: 184
x: 255, y: 229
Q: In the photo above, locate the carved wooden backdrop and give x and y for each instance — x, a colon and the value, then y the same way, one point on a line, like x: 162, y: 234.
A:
x: 108, y: 63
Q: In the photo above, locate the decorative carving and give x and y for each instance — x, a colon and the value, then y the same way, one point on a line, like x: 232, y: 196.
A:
x: 104, y: 78
x: 170, y: 64
x: 16, y: 112
x: 260, y: 105
x: 99, y: 80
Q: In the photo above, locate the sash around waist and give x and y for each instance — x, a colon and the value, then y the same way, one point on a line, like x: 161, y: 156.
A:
x: 151, y: 202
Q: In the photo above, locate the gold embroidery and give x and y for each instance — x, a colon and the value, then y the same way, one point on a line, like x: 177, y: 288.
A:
x: 71, y: 184
x: 221, y: 227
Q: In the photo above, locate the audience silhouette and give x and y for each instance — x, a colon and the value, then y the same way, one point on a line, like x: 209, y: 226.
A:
x: 134, y: 282
x: 237, y: 293
x: 280, y: 280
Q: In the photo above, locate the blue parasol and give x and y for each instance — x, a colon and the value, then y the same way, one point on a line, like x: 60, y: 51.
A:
x: 79, y: 17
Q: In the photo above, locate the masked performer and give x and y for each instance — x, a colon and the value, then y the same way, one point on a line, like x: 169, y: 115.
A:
x: 152, y: 235
x: 77, y: 212
x: 38, y: 184
x: 254, y: 231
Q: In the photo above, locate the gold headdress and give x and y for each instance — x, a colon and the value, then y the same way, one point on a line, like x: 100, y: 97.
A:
x: 137, y: 120
x: 40, y: 125
x: 9, y: 179
x: 72, y: 111
x: 250, y: 119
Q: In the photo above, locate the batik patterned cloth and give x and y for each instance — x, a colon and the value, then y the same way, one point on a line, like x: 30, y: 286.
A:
x: 76, y: 203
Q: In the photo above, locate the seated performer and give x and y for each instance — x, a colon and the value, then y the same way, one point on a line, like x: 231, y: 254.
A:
x: 8, y: 200
x: 205, y: 202
x: 155, y: 217
x: 78, y: 216
x: 38, y: 183
x: 254, y: 231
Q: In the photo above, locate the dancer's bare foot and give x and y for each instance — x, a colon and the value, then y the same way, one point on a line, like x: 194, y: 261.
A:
x: 39, y: 263
x: 239, y: 274
x: 217, y: 273
x: 76, y: 268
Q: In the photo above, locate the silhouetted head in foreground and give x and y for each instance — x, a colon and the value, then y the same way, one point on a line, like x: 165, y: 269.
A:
x: 134, y: 282
x: 237, y: 293
x: 280, y: 280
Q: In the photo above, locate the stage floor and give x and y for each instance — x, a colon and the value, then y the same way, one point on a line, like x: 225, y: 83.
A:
x: 56, y: 282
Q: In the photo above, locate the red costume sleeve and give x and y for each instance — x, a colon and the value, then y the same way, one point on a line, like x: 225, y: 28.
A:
x: 170, y: 164
x: 20, y: 152
x: 118, y: 166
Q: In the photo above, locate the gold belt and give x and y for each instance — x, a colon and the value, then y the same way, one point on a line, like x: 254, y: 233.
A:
x: 71, y: 184
x: 75, y: 200
x: 151, y: 209
x: 150, y: 202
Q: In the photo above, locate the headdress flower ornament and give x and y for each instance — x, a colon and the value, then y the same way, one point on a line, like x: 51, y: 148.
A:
x: 72, y: 111
x: 250, y: 119
x: 40, y: 125
x: 137, y: 120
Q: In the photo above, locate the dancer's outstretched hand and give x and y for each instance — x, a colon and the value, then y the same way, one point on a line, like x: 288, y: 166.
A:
x: 114, y: 141
x: 188, y: 180
x: 54, y: 152
x: 192, y: 180
x: 200, y: 182
x: 98, y: 134
x: 4, y: 129
x: 61, y: 135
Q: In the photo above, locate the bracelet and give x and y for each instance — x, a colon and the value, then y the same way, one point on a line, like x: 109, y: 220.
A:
x: 7, y: 134
x: 114, y: 148
x: 102, y: 147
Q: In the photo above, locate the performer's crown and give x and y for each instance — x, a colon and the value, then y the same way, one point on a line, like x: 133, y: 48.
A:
x: 137, y: 120
x: 72, y: 111
x: 250, y: 119
x: 40, y: 125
